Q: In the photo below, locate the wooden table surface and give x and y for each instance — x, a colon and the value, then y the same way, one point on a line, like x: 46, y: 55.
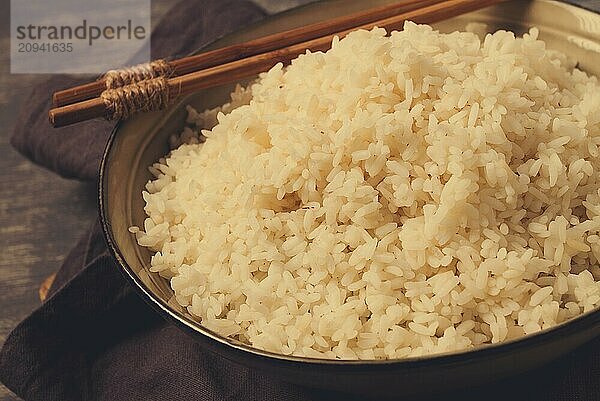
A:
x: 42, y: 215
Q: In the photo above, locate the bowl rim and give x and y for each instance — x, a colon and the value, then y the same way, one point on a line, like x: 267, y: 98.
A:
x: 191, y: 327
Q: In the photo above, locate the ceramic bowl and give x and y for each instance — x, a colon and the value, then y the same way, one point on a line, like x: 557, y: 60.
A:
x: 137, y: 143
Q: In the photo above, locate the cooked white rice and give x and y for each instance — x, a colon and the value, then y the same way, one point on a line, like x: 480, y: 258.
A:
x: 395, y: 196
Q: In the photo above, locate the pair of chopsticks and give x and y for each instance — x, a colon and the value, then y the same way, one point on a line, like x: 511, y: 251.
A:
x: 232, y: 63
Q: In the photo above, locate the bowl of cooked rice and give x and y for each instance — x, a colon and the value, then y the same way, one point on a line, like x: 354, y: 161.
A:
x: 408, y: 211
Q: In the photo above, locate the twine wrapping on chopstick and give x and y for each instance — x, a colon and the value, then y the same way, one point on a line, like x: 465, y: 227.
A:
x: 141, y: 72
x: 148, y: 95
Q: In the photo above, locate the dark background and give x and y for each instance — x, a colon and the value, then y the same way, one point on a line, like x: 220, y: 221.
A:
x: 42, y: 215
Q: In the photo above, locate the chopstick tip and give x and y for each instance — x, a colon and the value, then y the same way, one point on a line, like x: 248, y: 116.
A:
x: 51, y: 118
x: 55, y: 99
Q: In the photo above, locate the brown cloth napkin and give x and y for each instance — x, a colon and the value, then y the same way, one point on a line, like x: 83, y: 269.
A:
x: 95, y: 339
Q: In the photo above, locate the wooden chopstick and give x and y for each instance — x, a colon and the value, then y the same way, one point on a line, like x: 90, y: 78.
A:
x: 238, y: 69
x: 275, y: 41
